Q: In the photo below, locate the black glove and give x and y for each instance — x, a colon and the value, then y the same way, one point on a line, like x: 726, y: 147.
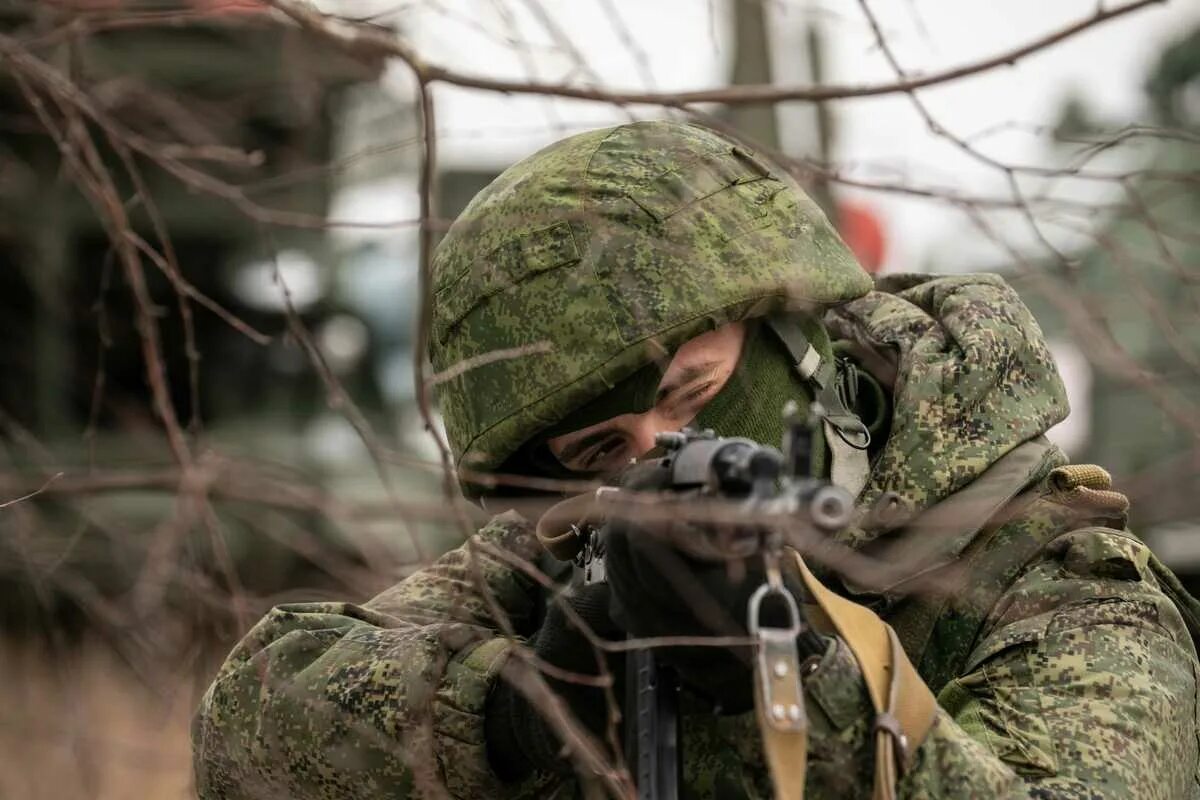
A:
x: 657, y: 590
x: 519, y: 741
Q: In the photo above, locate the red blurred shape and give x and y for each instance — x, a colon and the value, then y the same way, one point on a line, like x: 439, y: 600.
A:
x: 863, y: 233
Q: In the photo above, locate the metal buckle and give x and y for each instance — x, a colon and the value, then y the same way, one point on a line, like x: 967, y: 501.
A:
x: 778, y: 660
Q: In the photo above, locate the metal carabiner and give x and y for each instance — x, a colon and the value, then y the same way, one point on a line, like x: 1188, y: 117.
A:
x: 777, y: 662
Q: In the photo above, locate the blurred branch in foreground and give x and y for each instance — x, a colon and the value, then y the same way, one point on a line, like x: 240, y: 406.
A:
x: 218, y: 220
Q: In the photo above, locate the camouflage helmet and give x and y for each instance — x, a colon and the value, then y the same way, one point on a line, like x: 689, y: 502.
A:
x: 585, y: 261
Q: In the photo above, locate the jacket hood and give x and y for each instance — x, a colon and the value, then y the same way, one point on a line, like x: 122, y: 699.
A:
x: 972, y: 380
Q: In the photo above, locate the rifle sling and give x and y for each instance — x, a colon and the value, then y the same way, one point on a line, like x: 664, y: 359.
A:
x: 904, y: 706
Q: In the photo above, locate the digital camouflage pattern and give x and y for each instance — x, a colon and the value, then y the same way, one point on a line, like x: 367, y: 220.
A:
x: 611, y: 248
x: 979, y: 380
x: 1062, y: 669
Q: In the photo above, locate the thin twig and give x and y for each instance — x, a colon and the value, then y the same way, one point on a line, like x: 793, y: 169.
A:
x: 372, y: 43
x: 34, y: 493
x: 491, y: 357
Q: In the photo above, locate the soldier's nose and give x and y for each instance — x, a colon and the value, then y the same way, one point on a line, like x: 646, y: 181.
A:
x: 643, y: 431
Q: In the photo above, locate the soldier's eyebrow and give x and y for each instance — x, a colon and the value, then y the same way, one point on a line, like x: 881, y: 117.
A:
x: 686, y: 376
x: 575, y: 449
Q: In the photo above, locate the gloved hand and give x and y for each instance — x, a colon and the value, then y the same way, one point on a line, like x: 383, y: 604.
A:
x: 519, y: 741
x: 658, y: 590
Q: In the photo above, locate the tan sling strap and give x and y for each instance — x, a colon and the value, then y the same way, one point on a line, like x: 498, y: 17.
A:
x: 786, y: 752
x: 778, y: 691
x: 904, y: 706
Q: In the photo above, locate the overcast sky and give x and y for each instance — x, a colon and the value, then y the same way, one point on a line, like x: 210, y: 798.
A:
x: 683, y: 44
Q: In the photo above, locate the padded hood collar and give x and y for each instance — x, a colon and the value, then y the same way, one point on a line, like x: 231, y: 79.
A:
x: 972, y: 380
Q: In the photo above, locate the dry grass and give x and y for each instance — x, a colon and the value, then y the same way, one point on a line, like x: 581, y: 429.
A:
x: 79, y: 722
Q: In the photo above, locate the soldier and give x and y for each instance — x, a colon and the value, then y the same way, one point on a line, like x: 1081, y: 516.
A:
x: 657, y: 275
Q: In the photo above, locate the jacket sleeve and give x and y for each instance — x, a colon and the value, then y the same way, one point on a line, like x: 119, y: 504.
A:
x: 333, y: 700
x: 1084, y: 686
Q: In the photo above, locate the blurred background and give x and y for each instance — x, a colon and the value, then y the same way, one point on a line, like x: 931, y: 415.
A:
x: 210, y: 294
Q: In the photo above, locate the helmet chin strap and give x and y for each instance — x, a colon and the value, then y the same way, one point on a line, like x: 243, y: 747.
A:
x: 834, y: 384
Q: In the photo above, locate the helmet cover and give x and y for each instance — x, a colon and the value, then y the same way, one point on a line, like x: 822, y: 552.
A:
x: 602, y: 252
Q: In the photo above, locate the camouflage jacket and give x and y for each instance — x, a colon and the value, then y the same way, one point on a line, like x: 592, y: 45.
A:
x: 1062, y: 666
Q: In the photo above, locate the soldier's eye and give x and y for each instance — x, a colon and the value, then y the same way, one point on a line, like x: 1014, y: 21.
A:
x: 698, y: 393
x: 603, y: 452
x: 685, y: 401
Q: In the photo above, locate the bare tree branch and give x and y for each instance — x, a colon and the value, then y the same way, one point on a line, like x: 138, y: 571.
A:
x: 371, y: 43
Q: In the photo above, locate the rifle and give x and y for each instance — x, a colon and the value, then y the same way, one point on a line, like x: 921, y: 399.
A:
x: 762, y: 482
